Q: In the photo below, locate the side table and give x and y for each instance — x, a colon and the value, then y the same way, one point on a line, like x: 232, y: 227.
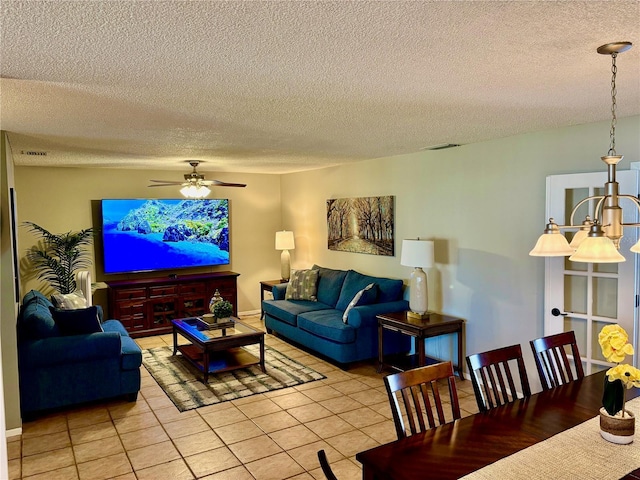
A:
x: 432, y: 326
x: 267, y: 286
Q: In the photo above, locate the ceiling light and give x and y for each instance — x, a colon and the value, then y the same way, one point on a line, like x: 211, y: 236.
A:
x: 598, y: 240
x: 195, y: 191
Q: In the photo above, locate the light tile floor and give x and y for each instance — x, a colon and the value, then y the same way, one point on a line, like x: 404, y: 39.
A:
x: 271, y: 436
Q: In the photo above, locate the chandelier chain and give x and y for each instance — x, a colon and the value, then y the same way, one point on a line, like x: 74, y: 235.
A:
x: 612, y: 131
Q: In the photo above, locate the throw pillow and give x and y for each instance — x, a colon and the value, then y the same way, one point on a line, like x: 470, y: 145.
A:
x: 303, y: 285
x: 357, y: 298
x: 69, y: 301
x: 77, y: 322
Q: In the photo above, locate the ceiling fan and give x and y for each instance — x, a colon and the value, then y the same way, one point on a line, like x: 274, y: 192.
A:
x: 194, y: 184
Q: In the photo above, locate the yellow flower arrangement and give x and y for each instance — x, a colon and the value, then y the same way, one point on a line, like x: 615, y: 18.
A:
x: 614, y: 342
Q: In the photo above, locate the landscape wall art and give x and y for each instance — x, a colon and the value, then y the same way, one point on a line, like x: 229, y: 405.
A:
x: 361, y: 225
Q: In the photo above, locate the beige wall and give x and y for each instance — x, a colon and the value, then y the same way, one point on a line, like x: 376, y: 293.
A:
x: 484, y: 204
x: 63, y: 199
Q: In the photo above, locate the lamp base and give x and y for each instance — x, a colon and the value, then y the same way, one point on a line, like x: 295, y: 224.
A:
x: 421, y: 316
x: 285, y: 265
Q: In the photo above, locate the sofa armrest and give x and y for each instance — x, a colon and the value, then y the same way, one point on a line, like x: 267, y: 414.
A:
x: 279, y: 291
x: 366, y: 314
x: 70, y: 349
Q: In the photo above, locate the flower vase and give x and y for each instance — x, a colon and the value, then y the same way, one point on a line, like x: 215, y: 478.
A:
x: 616, y: 428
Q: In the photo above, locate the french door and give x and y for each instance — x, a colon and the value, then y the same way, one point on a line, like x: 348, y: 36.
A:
x: 584, y: 297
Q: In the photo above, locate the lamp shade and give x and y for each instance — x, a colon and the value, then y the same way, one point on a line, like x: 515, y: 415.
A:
x: 551, y: 245
x: 417, y: 253
x: 284, y: 240
x: 597, y: 250
x: 636, y: 247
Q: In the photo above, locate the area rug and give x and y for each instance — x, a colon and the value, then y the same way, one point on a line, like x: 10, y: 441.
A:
x: 180, y: 380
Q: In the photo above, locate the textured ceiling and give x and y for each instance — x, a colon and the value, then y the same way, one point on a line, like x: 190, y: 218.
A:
x: 278, y: 87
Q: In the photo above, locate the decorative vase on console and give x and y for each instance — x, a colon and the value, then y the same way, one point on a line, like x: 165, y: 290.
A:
x: 215, y: 299
x: 617, y: 424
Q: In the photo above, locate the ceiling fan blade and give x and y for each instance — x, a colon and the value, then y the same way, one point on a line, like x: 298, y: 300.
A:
x: 218, y: 183
x: 166, y: 182
x: 164, y: 185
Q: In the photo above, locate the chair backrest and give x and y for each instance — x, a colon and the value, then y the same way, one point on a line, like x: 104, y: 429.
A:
x: 492, y: 378
x: 324, y: 464
x: 552, y: 361
x: 420, y: 392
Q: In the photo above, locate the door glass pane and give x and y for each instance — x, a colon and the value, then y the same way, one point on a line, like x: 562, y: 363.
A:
x: 595, y: 346
x: 605, y: 267
x: 579, y: 327
x: 605, y: 297
x: 595, y: 368
x: 572, y: 197
x: 575, y: 294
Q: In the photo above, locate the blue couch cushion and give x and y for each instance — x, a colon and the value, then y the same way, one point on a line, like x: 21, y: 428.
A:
x: 329, y: 284
x: 36, y: 296
x: 77, y: 322
x: 327, y: 324
x: 389, y: 290
x: 131, y: 354
x: 288, y: 310
x: 115, y: 326
x: 36, y: 320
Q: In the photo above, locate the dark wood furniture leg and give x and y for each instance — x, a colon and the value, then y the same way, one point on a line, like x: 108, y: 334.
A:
x: 262, y: 367
x: 175, y: 340
x: 205, y: 364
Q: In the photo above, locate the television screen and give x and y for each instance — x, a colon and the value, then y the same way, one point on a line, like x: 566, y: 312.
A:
x: 159, y: 234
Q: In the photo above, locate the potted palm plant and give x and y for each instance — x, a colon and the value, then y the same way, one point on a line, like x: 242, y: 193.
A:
x: 57, y: 257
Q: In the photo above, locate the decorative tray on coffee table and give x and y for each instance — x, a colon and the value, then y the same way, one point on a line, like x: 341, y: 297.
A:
x: 209, y: 322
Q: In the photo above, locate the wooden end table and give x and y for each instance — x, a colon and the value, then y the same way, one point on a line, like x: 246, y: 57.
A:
x: 217, y: 349
x: 267, y: 286
x: 432, y: 326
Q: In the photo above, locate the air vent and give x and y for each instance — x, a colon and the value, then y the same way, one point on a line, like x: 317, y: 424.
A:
x: 441, y: 146
x: 34, y: 153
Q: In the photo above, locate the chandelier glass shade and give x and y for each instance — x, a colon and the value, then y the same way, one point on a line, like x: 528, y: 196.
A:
x: 597, y: 240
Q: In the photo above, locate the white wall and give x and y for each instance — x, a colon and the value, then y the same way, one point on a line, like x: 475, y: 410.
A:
x: 484, y: 206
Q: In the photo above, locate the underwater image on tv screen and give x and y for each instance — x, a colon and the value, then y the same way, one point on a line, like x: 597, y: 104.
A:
x: 159, y: 234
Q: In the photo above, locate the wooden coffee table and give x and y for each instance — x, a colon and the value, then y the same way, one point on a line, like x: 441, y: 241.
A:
x: 217, y: 349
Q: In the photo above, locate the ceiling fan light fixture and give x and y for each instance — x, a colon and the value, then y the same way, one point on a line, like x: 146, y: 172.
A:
x: 195, y: 191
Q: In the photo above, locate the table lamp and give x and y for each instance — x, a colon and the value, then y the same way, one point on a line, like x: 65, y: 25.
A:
x: 285, y: 242
x: 418, y: 254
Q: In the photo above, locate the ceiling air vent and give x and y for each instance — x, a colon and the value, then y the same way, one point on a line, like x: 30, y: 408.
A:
x: 34, y: 153
x: 441, y: 146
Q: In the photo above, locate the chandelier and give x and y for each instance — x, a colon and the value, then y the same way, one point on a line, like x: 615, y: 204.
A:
x: 597, y: 239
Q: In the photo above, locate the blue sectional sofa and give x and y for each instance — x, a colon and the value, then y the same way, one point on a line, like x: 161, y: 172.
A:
x: 57, y: 370
x: 318, y: 324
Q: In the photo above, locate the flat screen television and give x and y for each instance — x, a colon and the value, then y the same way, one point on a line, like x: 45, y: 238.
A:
x: 159, y: 234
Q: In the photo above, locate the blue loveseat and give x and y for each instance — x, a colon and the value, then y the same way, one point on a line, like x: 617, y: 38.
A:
x: 57, y: 370
x: 319, y: 325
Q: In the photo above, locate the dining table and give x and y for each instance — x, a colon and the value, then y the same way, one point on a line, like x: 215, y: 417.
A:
x: 555, y: 430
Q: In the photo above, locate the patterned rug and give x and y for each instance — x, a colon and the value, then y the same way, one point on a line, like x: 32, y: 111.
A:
x: 181, y: 380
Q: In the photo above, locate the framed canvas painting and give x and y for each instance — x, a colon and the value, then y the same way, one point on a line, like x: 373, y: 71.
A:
x: 361, y: 225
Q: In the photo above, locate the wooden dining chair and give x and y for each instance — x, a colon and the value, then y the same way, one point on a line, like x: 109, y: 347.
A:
x: 552, y: 361
x: 419, y: 390
x: 324, y: 464
x: 492, y: 377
